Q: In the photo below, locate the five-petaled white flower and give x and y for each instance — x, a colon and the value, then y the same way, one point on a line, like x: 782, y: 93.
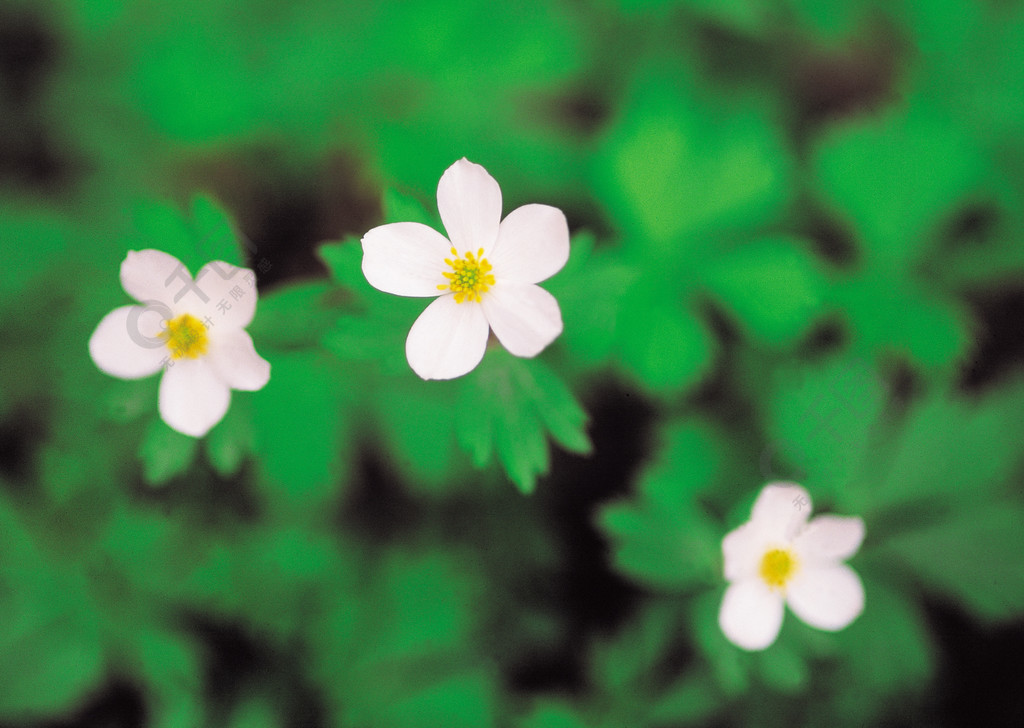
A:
x: 778, y: 558
x: 192, y: 329
x: 484, y: 276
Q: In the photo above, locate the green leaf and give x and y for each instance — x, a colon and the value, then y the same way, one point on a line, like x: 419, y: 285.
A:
x: 623, y: 664
x: 398, y: 645
x: 154, y: 554
x: 690, y: 699
x: 556, y: 407
x: 692, y: 558
x: 892, y: 315
x: 373, y: 325
x: 836, y: 20
x: 533, y: 49
x: 216, y: 236
x: 953, y: 451
x: 50, y: 644
x: 344, y: 261
x: 660, y: 536
x: 162, y: 226
x: 206, y: 234
x: 32, y: 241
x: 753, y: 17
x: 773, y: 287
x: 230, y: 440
x: 165, y: 453
x: 783, y: 669
x: 893, y: 627
x: 427, y: 454
x: 821, y: 420
x: 404, y: 208
x: 929, y: 159
x: 971, y: 558
x: 297, y: 315
x: 529, y: 45
x: 548, y: 713
x: 672, y: 171
x: 51, y: 661
x: 659, y: 339
x: 193, y: 81
x: 460, y: 701
x: 510, y: 405
x: 589, y: 291
x: 303, y: 563
x: 376, y: 337
x: 520, y: 443
x: 299, y: 425
x: 171, y: 673
x: 256, y: 713
x: 730, y: 666
x: 427, y: 603
x: 474, y: 428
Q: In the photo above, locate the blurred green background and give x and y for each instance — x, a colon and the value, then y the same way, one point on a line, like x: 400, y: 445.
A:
x: 798, y: 254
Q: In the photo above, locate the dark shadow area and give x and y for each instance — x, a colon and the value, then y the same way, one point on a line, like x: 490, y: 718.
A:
x: 980, y: 681
x: 1000, y: 346
x: 119, y: 704
x: 592, y: 598
x: 286, y: 215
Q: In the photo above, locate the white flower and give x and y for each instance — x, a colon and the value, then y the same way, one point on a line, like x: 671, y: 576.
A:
x: 192, y: 329
x: 483, y: 276
x: 778, y: 558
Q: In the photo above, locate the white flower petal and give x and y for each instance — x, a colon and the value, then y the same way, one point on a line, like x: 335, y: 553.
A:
x: 222, y: 295
x: 829, y: 539
x: 742, y: 551
x: 532, y: 245
x: 125, y: 344
x: 193, y: 398
x: 406, y: 258
x: 236, y: 362
x: 153, y: 275
x: 525, y: 317
x: 469, y: 201
x: 751, y: 614
x: 826, y: 597
x: 780, y: 511
x: 447, y: 340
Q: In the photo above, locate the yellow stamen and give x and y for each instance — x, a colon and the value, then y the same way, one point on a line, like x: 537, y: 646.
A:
x: 186, y: 337
x: 470, y: 276
x: 778, y: 567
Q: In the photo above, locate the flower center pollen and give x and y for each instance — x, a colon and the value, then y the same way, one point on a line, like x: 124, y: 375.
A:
x: 778, y: 567
x: 186, y: 337
x: 469, y: 276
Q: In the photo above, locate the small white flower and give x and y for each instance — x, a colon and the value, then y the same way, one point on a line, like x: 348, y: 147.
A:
x: 778, y: 558
x: 483, y: 276
x: 192, y: 329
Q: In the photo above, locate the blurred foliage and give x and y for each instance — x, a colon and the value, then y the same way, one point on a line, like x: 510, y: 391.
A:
x: 796, y: 255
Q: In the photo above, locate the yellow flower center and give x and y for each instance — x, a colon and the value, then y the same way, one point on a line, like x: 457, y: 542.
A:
x: 186, y: 337
x: 778, y: 567
x: 469, y: 277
